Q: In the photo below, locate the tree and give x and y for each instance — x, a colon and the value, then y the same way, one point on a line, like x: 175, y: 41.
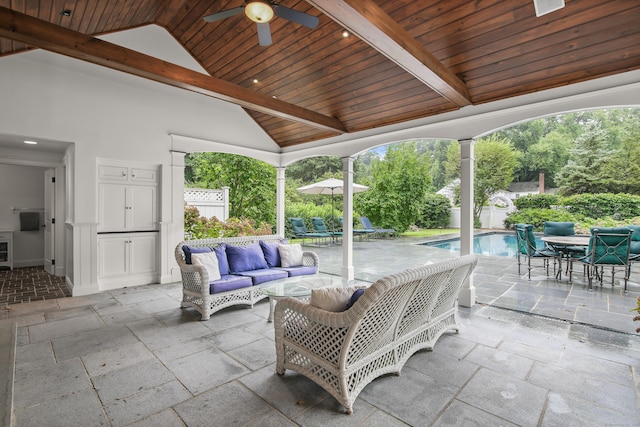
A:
x: 622, y: 170
x: 309, y: 170
x: 495, y: 163
x: 400, y: 182
x: 548, y: 155
x: 252, y: 183
x: 584, y: 173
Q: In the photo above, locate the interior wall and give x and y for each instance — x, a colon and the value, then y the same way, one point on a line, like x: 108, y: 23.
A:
x: 23, y: 187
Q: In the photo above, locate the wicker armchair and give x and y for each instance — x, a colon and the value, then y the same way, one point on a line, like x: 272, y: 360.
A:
x: 395, y: 317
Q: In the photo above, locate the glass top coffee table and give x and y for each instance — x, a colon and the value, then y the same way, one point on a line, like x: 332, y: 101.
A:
x: 301, y: 286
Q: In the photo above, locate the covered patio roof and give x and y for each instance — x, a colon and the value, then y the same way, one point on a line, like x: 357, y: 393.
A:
x: 401, y: 64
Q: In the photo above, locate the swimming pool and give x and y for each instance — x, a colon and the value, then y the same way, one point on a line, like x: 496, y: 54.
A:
x: 497, y: 244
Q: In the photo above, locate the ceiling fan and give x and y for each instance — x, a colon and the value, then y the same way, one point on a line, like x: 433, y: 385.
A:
x: 261, y: 12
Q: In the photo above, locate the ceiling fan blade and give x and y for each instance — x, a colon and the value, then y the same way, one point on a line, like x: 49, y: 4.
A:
x: 264, y: 33
x: 295, y: 16
x: 224, y: 14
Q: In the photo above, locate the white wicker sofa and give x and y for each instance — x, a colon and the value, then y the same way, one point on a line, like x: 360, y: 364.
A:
x: 233, y: 288
x: 395, y: 317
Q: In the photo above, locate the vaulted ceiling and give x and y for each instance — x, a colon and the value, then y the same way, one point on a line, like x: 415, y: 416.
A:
x: 402, y: 59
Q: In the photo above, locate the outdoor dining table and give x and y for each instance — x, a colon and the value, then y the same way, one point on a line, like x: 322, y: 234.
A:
x: 566, y: 245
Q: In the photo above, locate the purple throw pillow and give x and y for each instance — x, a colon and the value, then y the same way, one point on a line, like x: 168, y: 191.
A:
x: 245, y: 258
x: 271, y: 253
x: 223, y: 263
x: 357, y: 294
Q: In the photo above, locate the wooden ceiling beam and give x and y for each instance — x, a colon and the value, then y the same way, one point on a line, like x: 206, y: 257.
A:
x: 34, y: 32
x: 371, y: 24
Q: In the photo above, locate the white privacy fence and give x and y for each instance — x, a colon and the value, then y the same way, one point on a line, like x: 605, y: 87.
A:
x: 492, y: 216
x: 209, y: 202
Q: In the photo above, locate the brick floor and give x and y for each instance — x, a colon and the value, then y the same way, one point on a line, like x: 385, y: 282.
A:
x: 29, y: 284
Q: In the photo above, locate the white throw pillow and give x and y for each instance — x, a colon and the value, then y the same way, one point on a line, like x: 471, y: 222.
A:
x: 332, y: 299
x: 210, y: 261
x: 290, y: 255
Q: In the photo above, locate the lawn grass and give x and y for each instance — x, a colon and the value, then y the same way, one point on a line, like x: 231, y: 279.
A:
x: 431, y: 232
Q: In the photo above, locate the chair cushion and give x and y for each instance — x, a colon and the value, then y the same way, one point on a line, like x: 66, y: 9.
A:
x: 210, y: 261
x: 271, y: 253
x: 245, y: 258
x: 229, y: 282
x: 301, y: 270
x: 188, y: 250
x: 557, y: 228
x: 264, y: 275
x: 290, y: 255
x: 332, y: 299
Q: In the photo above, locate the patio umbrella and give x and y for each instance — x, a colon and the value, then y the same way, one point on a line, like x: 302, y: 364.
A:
x: 330, y: 186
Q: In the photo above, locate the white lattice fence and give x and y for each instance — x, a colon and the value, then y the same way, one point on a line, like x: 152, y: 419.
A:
x: 209, y: 202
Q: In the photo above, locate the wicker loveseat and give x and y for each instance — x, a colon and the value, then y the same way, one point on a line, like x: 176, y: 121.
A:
x: 395, y: 317
x: 239, y: 287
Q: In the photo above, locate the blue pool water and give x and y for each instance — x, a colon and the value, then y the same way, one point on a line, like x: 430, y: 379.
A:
x: 497, y: 244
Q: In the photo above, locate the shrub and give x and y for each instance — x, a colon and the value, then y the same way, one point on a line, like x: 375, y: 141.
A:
x: 199, y: 227
x: 537, y: 201
x: 537, y: 217
x: 436, y: 212
x: 616, y: 206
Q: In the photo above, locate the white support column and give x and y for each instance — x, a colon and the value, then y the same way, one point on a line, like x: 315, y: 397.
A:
x: 280, y: 201
x: 225, y: 192
x: 467, y: 295
x: 347, y: 217
x: 177, y: 208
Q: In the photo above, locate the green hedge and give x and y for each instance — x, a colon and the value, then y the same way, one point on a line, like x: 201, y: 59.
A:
x: 537, y: 217
x: 616, y: 206
x: 537, y: 201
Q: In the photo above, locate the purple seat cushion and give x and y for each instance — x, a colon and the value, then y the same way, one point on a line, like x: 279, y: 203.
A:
x: 223, y: 263
x: 188, y: 250
x: 301, y: 270
x: 271, y: 253
x: 229, y: 282
x: 245, y: 258
x: 264, y: 275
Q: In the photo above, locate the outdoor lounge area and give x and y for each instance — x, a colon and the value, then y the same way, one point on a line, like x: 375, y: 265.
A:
x: 539, y: 352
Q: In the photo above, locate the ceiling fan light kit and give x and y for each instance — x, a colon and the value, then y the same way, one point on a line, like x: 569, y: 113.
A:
x: 258, y: 11
x: 261, y: 12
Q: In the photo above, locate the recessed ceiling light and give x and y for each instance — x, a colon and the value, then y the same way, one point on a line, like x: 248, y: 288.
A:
x: 66, y: 12
x: 255, y: 80
x: 345, y: 34
x: 31, y: 142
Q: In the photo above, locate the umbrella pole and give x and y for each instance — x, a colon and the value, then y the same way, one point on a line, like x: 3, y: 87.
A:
x: 332, y: 225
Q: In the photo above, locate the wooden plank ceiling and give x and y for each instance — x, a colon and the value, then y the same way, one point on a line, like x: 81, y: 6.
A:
x: 403, y: 59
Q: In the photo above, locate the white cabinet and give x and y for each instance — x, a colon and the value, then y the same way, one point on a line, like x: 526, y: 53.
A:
x: 6, y: 249
x: 127, y: 259
x: 127, y: 198
x: 127, y: 208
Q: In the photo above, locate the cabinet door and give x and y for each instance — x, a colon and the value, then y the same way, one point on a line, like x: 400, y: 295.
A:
x: 113, y: 256
x: 143, y: 175
x: 143, y: 257
x: 142, y: 207
x: 112, y: 207
x: 116, y: 173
